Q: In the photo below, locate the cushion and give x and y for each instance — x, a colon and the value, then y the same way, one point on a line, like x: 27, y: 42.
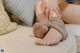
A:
x: 23, y: 9
x: 23, y: 41
x: 5, y: 24
x: 74, y: 29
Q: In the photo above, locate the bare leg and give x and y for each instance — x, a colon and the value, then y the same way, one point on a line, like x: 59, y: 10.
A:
x: 38, y: 8
x: 40, y: 30
x: 53, y: 37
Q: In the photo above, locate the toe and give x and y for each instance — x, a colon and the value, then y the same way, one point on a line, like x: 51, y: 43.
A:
x: 38, y: 42
x: 48, y: 43
x: 44, y: 43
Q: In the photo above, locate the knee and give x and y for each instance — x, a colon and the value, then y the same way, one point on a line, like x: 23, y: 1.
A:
x: 38, y: 4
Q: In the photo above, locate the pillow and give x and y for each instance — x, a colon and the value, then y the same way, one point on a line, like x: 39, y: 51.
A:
x: 5, y: 24
x: 23, y: 9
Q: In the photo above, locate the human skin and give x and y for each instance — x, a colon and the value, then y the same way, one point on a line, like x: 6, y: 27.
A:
x: 39, y: 29
x: 49, y: 6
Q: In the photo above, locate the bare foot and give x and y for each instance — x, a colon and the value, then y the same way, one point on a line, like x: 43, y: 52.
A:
x: 39, y: 30
x: 53, y: 37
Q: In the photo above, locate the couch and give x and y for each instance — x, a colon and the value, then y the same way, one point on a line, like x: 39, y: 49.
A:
x: 22, y: 41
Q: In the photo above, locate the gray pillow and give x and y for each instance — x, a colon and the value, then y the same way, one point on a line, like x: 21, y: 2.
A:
x: 23, y: 9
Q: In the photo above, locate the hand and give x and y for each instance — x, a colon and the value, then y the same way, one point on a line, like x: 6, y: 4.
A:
x: 48, y: 6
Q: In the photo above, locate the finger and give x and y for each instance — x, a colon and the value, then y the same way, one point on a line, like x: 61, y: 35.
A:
x: 50, y: 13
x: 44, y: 10
x: 43, y: 7
x: 56, y: 11
x: 47, y: 12
x: 54, y: 14
x: 59, y: 12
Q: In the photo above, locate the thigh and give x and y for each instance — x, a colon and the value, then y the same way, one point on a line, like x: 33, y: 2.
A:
x: 38, y: 9
x: 70, y: 13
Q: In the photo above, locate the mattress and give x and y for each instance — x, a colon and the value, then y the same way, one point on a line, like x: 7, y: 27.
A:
x: 23, y: 41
